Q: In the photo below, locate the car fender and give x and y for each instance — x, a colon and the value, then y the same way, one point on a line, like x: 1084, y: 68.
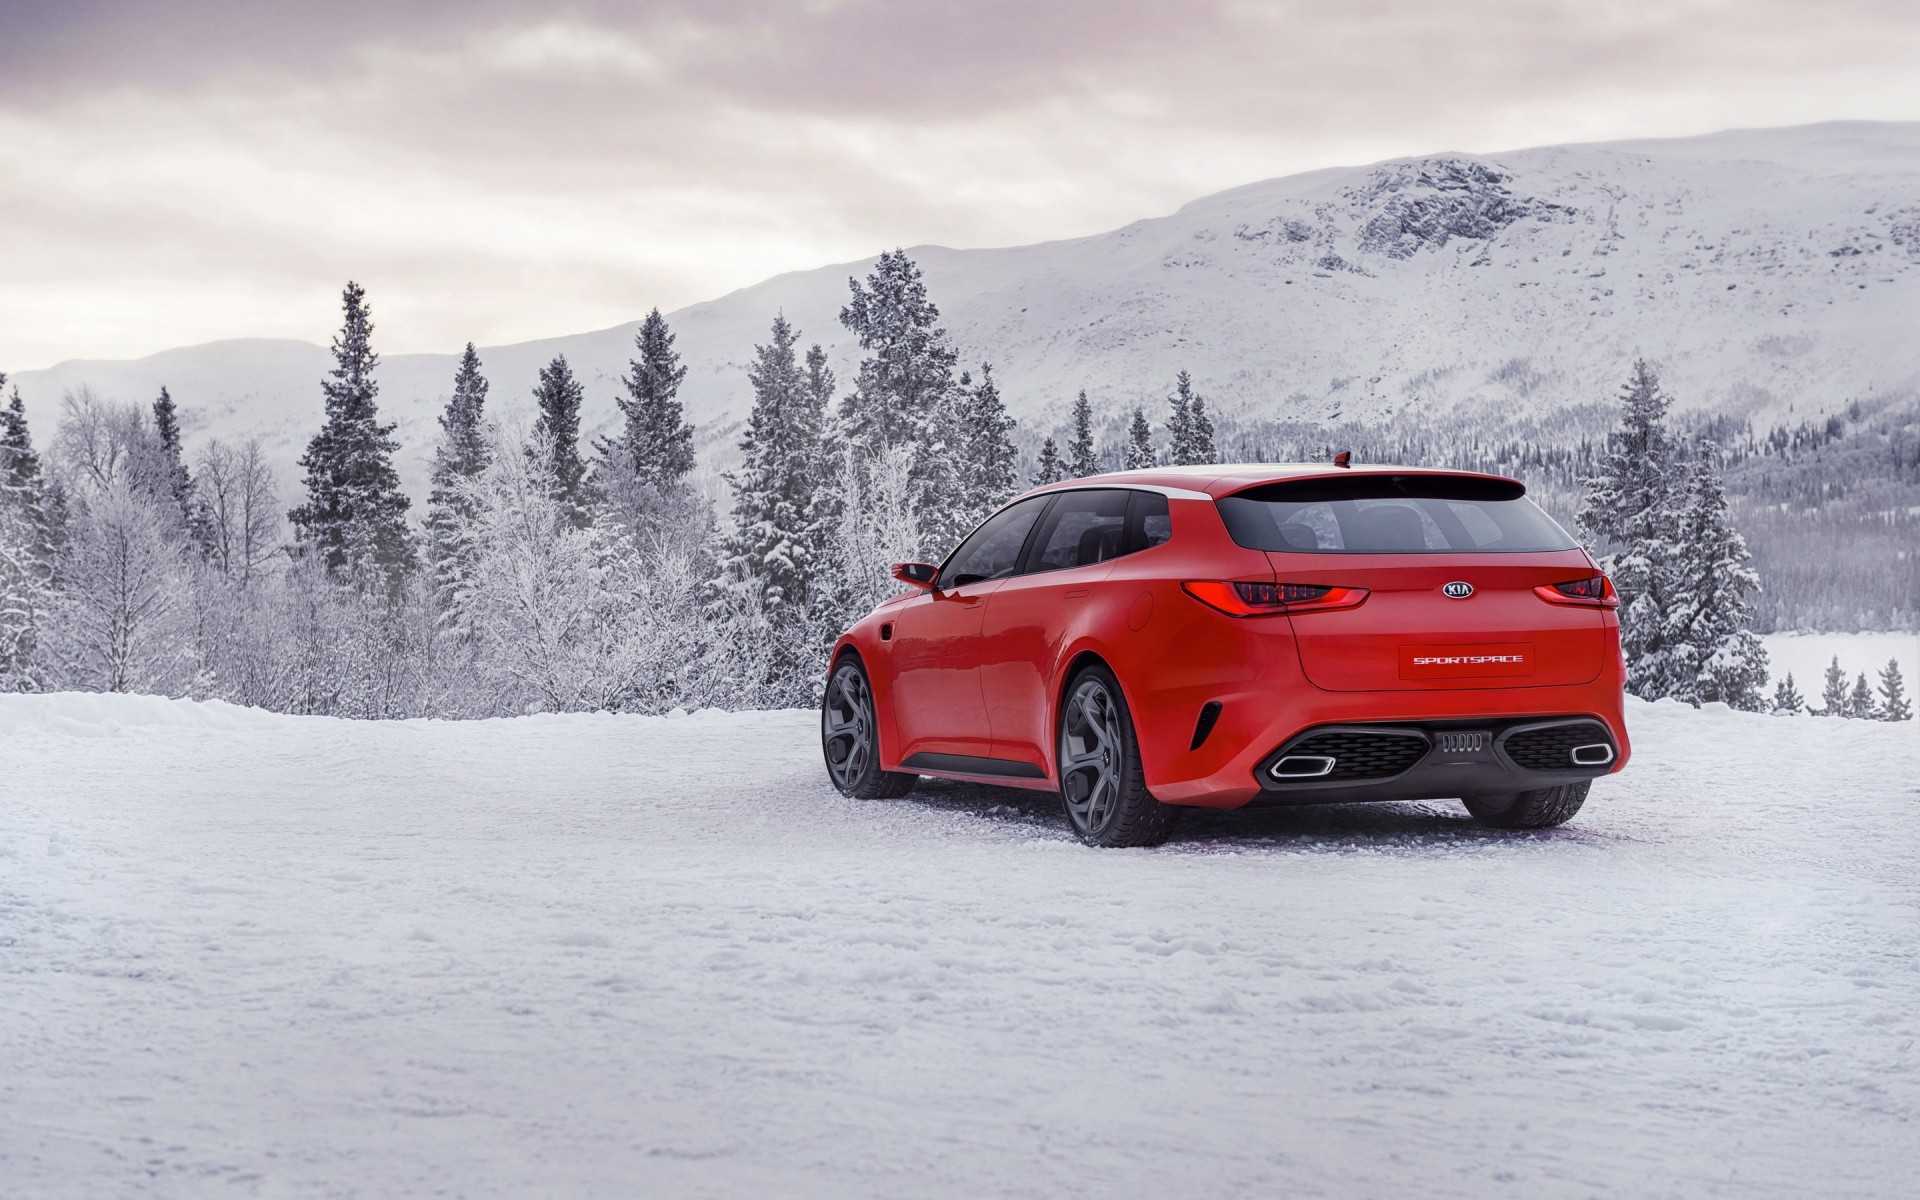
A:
x: 1074, y: 651
x: 875, y: 655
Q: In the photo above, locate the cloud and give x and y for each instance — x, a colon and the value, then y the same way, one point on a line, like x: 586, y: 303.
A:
x: 498, y: 169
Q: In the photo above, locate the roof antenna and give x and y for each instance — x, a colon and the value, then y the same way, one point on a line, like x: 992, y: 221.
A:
x: 1343, y: 459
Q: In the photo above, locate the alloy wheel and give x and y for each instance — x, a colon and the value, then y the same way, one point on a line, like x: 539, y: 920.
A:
x: 1092, y: 755
x: 849, y: 727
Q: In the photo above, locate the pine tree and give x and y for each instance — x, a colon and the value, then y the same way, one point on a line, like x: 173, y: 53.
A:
x: 991, y: 464
x: 905, y: 396
x: 178, y: 482
x: 1787, y: 697
x: 26, y: 555
x: 1716, y: 655
x: 1082, y: 458
x: 819, y: 388
x: 1631, y: 508
x: 774, y: 545
x: 1049, y: 468
x: 1860, y: 702
x: 458, y: 461
x: 907, y: 377
x: 1833, y: 697
x: 1894, y: 705
x: 656, y: 445
x: 819, y: 380
x: 355, y: 514
x: 1139, y: 442
x: 1205, y: 450
x: 19, y: 463
x: 1180, y: 421
x: 558, y: 396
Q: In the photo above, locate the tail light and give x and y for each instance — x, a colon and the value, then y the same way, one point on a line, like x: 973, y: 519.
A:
x: 1238, y: 599
x: 1596, y: 592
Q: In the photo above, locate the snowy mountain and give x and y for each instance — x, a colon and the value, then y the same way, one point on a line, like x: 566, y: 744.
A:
x: 1766, y: 271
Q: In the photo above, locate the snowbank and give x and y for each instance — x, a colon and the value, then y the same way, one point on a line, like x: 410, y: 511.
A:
x: 94, y: 714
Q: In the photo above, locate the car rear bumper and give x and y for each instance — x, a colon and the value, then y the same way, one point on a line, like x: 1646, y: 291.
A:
x: 1525, y: 738
x: 1432, y: 760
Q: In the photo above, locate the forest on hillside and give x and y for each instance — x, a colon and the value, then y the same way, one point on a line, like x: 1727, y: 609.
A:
x: 551, y: 572
x: 1830, y: 508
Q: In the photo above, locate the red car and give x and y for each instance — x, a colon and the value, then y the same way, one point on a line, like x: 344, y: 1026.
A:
x: 1220, y: 636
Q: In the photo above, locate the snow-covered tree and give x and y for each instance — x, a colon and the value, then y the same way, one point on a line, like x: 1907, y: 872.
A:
x: 1083, y: 459
x: 877, y: 524
x: 991, y: 464
x: 1833, y: 696
x: 906, y: 378
x: 1180, y: 420
x: 572, y: 619
x: 1189, y: 428
x: 558, y: 397
x: 238, y: 498
x: 534, y: 598
x: 462, y: 454
x: 1139, y: 442
x: 1860, y: 700
x: 655, y: 444
x: 178, y: 480
x: 1715, y: 654
x: 1205, y: 449
x: 819, y: 380
x: 26, y: 553
x: 1787, y: 698
x: 905, y: 395
x: 774, y: 544
x: 769, y: 561
x: 354, y: 517
x: 1894, y: 705
x: 116, y: 621
x: 1632, y: 508
x: 99, y: 443
x: 1049, y: 467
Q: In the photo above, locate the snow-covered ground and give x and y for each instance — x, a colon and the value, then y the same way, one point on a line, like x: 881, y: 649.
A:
x: 253, y: 955
x: 1806, y: 655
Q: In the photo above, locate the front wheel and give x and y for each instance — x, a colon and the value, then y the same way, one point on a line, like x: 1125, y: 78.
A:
x: 1541, y: 808
x: 850, y: 738
x: 1101, y: 783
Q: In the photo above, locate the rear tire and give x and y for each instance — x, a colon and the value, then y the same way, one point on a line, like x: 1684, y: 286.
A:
x: 1102, y: 786
x: 850, y: 737
x: 1542, y: 808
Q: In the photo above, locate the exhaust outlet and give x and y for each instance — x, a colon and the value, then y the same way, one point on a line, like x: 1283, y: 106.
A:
x: 1597, y: 754
x: 1302, y: 766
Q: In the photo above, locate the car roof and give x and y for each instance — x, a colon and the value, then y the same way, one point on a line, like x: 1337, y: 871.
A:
x: 1224, y: 479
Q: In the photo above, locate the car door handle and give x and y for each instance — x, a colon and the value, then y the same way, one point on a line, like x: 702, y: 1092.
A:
x: 1076, y: 594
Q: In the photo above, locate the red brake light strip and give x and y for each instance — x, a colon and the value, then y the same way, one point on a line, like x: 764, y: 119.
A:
x: 1593, y: 592
x: 1243, y: 599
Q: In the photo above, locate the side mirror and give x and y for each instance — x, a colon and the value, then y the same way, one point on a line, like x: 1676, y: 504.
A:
x: 920, y: 575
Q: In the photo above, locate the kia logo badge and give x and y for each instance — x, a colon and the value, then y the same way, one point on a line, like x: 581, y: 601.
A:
x: 1459, y: 589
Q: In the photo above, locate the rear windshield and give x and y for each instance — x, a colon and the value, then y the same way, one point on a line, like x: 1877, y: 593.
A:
x: 1391, y: 514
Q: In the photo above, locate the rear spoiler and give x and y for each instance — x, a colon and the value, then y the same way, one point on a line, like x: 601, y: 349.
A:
x: 1412, y: 485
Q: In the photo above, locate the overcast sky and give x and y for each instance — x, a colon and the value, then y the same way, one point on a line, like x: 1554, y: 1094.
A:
x: 176, y: 171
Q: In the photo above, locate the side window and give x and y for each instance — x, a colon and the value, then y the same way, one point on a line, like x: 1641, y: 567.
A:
x: 1081, y: 528
x: 994, y: 549
x: 1149, y: 523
